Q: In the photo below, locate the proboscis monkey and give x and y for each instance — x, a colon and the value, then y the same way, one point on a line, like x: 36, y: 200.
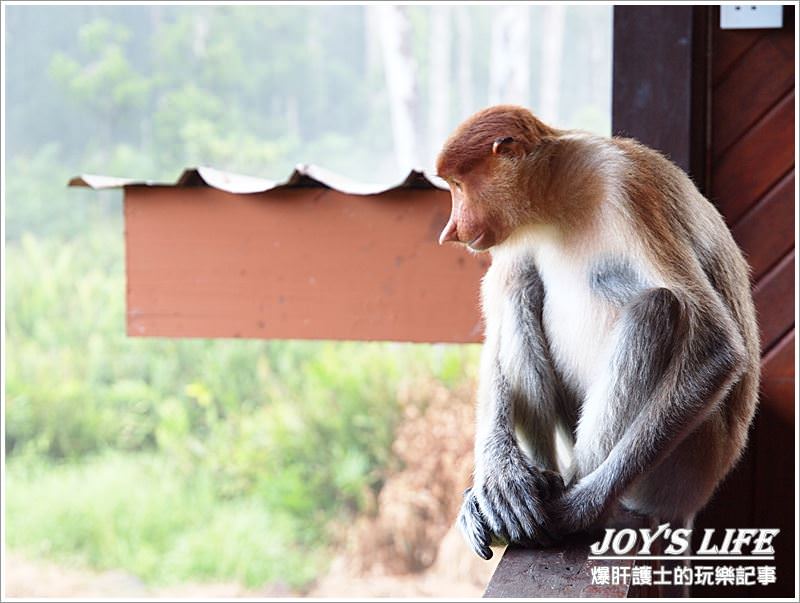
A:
x: 617, y: 311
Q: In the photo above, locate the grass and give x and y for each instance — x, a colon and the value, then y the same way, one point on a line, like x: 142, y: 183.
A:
x: 136, y: 512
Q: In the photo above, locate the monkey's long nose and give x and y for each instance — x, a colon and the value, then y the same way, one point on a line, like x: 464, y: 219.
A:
x: 450, y: 232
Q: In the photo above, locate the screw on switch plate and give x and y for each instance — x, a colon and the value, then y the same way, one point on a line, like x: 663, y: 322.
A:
x: 750, y: 16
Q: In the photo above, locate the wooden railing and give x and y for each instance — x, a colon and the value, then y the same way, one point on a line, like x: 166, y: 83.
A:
x: 566, y: 570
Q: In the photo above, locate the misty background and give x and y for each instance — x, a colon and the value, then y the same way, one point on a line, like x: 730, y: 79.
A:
x: 238, y: 461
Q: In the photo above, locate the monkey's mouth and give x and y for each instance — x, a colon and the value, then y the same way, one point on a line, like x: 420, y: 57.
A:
x: 479, y: 243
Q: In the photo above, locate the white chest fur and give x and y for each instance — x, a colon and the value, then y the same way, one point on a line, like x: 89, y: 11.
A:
x: 587, y: 281
x: 577, y: 322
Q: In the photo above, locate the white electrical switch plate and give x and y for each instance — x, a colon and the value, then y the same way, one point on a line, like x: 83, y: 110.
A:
x: 750, y: 16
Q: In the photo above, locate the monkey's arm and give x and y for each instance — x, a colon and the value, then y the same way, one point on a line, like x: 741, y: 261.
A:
x: 509, y: 494
x: 674, y: 362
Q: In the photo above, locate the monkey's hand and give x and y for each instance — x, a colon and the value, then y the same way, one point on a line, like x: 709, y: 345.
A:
x: 473, y: 526
x: 510, y: 504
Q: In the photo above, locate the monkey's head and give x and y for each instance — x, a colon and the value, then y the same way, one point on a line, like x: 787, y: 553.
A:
x: 482, y: 163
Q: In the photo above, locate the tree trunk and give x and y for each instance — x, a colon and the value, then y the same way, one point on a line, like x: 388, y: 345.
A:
x: 401, y: 81
x: 439, y: 84
x: 550, y: 72
x: 510, y: 56
x: 372, y: 41
x: 200, y: 30
x: 598, y: 69
x: 466, y: 105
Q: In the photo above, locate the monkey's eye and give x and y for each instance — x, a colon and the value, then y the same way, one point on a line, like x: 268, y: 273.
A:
x: 456, y: 184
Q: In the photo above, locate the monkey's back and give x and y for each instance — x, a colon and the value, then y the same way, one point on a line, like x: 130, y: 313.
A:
x: 729, y: 274
x: 688, y: 221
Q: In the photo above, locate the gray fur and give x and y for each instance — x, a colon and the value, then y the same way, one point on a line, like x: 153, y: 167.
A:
x: 512, y: 502
x: 672, y: 362
x: 673, y: 366
x: 615, y: 280
x: 545, y: 393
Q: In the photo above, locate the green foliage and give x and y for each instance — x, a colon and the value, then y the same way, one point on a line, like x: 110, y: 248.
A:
x: 105, y: 81
x: 156, y: 455
x: 141, y: 514
x: 145, y: 91
x: 38, y: 202
x: 195, y: 458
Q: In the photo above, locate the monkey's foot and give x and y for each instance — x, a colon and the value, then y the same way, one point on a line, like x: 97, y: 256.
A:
x: 576, y: 510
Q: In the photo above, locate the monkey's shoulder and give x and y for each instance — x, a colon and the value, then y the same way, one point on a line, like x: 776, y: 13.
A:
x: 616, y: 279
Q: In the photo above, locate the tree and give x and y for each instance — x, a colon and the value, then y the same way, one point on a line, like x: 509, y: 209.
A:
x: 466, y: 104
x: 401, y: 80
x: 510, y: 56
x: 550, y: 72
x: 106, y: 83
x: 439, y: 73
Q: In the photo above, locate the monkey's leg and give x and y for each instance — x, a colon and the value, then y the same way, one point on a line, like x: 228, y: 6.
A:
x: 544, y: 402
x: 673, y: 363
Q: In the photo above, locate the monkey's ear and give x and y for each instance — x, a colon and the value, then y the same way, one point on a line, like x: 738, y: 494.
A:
x: 508, y: 146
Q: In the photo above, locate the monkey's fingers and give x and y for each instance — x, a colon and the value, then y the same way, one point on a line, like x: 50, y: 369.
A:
x: 516, y: 507
x: 545, y: 531
x: 473, y: 526
x: 499, y: 517
x: 529, y: 505
x: 555, y: 484
x: 523, y: 503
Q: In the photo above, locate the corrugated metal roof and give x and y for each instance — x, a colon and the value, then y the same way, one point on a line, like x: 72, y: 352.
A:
x: 303, y: 176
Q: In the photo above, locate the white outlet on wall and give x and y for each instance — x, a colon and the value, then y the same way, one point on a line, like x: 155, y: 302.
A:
x: 750, y: 16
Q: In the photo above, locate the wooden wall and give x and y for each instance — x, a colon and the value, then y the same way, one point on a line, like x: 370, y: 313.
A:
x: 752, y: 178
x: 297, y: 263
x: 721, y: 105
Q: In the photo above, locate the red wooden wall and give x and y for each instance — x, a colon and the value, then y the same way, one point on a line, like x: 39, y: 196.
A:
x: 297, y: 263
x: 751, y: 159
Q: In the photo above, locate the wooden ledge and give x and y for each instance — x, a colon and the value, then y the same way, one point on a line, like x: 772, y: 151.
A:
x: 563, y: 571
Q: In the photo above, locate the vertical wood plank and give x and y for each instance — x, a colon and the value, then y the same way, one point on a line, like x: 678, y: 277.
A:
x: 660, y: 69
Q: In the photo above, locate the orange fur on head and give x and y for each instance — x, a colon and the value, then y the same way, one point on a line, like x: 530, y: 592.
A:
x: 474, y: 139
x: 481, y: 162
